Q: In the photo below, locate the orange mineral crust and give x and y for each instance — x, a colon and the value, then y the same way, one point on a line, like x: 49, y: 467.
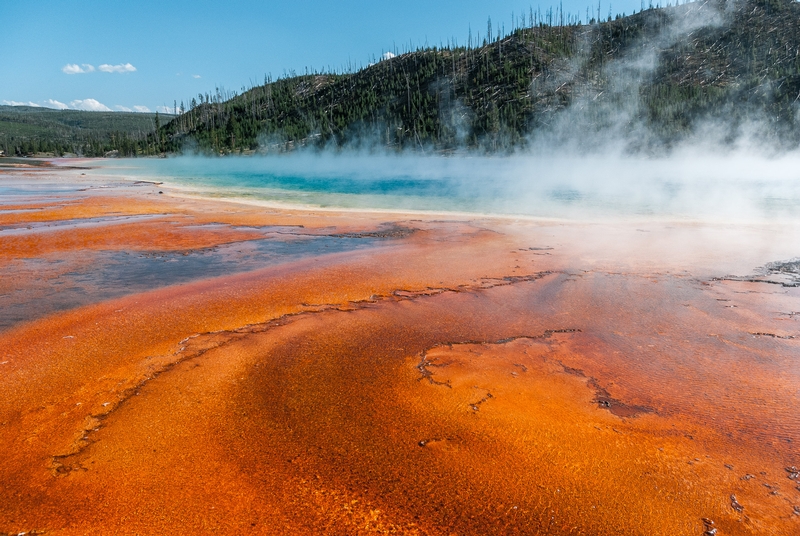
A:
x: 450, y: 377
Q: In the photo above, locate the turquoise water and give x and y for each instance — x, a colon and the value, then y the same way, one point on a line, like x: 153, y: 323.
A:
x: 724, y: 187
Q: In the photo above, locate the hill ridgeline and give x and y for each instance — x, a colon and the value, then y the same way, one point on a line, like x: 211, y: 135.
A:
x: 714, y: 72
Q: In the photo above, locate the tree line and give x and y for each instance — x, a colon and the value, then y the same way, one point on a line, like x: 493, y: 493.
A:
x: 650, y: 79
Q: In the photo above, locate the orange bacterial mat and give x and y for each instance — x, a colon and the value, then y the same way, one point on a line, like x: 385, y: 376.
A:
x: 444, y: 377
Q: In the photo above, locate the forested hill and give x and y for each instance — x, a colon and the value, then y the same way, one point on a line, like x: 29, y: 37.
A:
x: 649, y: 80
x: 29, y: 130
x: 716, y: 70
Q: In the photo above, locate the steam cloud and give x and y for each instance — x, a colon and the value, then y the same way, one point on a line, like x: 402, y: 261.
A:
x: 594, y: 160
x: 690, y: 184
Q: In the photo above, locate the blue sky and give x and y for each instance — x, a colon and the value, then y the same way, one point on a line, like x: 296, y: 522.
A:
x: 145, y: 54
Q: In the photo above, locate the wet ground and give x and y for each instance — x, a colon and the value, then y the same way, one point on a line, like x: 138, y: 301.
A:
x: 427, y: 376
x: 62, y: 259
x: 58, y: 282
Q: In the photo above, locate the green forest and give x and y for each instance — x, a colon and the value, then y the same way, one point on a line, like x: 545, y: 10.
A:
x: 649, y: 79
x: 28, y: 130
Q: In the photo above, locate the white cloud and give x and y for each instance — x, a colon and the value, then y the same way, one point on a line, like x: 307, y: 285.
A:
x: 196, y: 76
x: 165, y: 110
x: 17, y: 103
x: 89, y: 105
x: 120, y: 68
x: 51, y: 103
x: 74, y: 68
x: 387, y: 55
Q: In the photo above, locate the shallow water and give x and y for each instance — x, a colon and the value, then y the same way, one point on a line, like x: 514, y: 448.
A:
x: 68, y: 281
x: 705, y: 187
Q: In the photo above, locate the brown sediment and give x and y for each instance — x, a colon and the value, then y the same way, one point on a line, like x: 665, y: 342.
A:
x: 448, y: 379
x: 26, y: 163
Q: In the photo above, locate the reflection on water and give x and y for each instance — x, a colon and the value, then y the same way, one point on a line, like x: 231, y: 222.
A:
x: 58, y: 283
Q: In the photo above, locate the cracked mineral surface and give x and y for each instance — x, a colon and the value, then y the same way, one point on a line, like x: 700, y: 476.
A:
x: 217, y: 367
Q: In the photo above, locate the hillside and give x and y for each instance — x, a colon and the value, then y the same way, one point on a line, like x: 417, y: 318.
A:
x: 714, y: 71
x: 31, y: 130
x: 647, y: 80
